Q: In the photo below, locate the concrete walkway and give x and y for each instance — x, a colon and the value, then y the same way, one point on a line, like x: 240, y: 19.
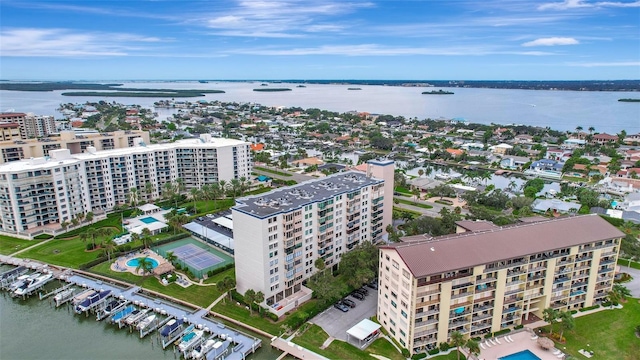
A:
x: 30, y: 247
x: 634, y: 284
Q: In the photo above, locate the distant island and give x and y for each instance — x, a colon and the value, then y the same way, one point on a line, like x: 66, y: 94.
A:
x: 629, y: 100
x: 301, y: 86
x: 272, y: 89
x: 437, y: 92
x: 354, y: 89
x: 114, y: 90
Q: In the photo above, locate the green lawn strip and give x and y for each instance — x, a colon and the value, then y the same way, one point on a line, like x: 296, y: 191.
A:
x: 408, y: 202
x: 402, y: 190
x: 382, y: 346
x: 625, y: 262
x: 314, y: 337
x: 201, y: 296
x: 210, y: 206
x: 450, y: 356
x: 240, y: 313
x: 609, y: 333
x: 257, y: 191
x: 70, y: 253
x: 272, y: 171
x: 112, y: 221
x: 9, y: 245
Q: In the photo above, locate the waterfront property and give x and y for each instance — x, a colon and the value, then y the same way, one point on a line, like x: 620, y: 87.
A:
x: 279, y: 235
x: 493, y: 278
x: 130, y: 263
x: 40, y: 194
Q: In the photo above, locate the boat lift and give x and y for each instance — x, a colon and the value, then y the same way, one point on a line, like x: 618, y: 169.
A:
x: 156, y: 324
x: 101, y: 314
x: 8, y: 277
x: 30, y: 292
x: 176, y: 334
x: 64, y: 297
x: 53, y: 292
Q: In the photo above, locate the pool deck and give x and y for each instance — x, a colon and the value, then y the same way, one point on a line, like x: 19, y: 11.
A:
x: 521, y: 341
x: 120, y: 264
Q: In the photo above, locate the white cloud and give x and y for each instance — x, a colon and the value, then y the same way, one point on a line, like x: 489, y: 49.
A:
x: 552, y: 41
x: 281, y: 19
x: 577, y: 4
x: 381, y: 50
x: 606, y: 64
x: 65, y: 43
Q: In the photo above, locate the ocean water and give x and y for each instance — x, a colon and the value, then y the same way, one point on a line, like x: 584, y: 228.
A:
x: 561, y: 110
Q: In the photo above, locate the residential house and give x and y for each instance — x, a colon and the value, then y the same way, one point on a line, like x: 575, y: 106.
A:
x: 603, y: 139
x: 513, y: 162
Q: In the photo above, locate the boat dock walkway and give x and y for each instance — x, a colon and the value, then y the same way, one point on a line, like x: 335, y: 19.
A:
x: 242, y: 344
x: 294, y: 350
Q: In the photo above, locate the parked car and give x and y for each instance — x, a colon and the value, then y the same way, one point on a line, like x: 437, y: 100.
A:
x: 363, y: 291
x: 340, y: 306
x: 357, y: 295
x: 349, y: 303
x: 373, y: 284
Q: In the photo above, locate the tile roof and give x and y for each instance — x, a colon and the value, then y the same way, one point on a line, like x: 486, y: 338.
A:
x: 459, y: 251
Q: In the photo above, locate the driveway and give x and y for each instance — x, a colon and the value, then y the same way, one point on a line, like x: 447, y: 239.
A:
x: 336, y: 323
x: 633, y: 285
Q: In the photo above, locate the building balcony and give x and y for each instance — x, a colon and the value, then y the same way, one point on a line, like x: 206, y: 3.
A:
x: 427, y: 293
x: 485, y: 280
x: 577, y: 301
x: 537, y: 268
x: 454, y: 314
x: 511, y: 292
x: 578, y: 284
x: 461, y: 295
x: 475, y: 318
x: 512, y: 299
x: 605, y: 270
x: 558, y: 298
x: 561, y: 280
x: 559, y: 304
x: 511, y: 310
x: 482, y: 308
x: 533, y: 296
x: 462, y: 285
x: 426, y: 322
x: 425, y: 332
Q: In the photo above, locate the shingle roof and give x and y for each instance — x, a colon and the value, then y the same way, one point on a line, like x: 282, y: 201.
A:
x: 453, y: 252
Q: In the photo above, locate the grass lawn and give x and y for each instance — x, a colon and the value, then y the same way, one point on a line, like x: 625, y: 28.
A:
x: 240, y: 313
x: 314, y: 337
x: 69, y: 253
x: 402, y: 189
x: 210, y: 206
x: 198, y: 295
x: 9, y: 245
x: 625, y: 262
x: 112, y: 221
x: 383, y: 347
x: 609, y: 333
x: 416, y: 204
x: 450, y: 356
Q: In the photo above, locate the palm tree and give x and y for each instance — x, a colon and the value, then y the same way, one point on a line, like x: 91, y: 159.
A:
x: 225, y: 285
x: 457, y: 340
x: 64, y: 225
x: 145, y: 265
x: 249, y: 298
x: 148, y: 190
x: 89, y: 216
x: 550, y: 315
x: 474, y: 347
x: 195, y: 195
x: 89, y: 234
x: 591, y: 129
x: 567, y: 322
x: 259, y: 298
x: 170, y: 256
x: 416, y: 193
x: 133, y: 197
x: 146, y: 238
x: 620, y: 292
x: 223, y: 187
x: 109, y: 247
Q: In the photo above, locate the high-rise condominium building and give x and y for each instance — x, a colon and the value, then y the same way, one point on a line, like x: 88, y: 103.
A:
x: 39, y: 194
x: 31, y: 126
x: 14, y: 148
x: 493, y: 278
x: 279, y: 235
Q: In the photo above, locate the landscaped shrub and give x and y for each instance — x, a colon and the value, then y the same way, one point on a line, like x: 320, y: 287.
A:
x: 574, y: 312
x: 589, y: 308
x: 606, y: 304
x: 488, y: 335
x: 433, y: 351
x: 43, y: 237
x: 444, y: 346
x: 270, y: 315
x: 90, y: 246
x: 405, y: 353
x: 501, y: 332
x: 518, y: 327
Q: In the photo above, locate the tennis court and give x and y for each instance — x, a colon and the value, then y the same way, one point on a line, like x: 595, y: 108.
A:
x: 198, y: 257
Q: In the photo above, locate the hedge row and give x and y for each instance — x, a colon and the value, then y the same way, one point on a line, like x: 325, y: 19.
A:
x: 589, y: 308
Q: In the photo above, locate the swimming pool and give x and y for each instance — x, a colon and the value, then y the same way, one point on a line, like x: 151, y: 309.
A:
x: 136, y: 261
x: 522, y: 355
x: 148, y: 220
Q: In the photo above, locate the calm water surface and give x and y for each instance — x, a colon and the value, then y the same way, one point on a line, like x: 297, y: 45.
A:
x: 561, y: 110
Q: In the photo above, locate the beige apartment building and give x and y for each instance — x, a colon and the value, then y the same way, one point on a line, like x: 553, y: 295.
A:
x: 14, y: 150
x: 491, y: 278
x: 279, y: 235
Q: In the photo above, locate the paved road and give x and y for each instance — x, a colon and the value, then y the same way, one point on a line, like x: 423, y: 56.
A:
x: 336, y: 323
x: 633, y: 285
x: 435, y: 212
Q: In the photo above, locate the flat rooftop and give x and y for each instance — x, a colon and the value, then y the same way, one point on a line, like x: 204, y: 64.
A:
x: 435, y: 255
x: 286, y: 199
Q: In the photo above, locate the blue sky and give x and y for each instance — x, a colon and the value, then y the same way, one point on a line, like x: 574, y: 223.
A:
x: 333, y: 39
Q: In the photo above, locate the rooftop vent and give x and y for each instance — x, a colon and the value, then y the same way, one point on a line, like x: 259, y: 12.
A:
x: 261, y: 202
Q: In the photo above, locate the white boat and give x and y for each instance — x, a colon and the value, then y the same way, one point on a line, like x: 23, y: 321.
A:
x: 63, y: 294
x: 202, y: 350
x: 190, y: 339
x: 33, y: 284
x: 134, y: 317
x: 18, y: 282
x: 146, y: 322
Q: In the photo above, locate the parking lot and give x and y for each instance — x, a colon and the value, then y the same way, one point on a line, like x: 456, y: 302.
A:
x: 336, y: 323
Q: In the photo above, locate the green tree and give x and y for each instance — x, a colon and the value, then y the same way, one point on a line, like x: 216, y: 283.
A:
x: 457, y: 340
x: 171, y: 257
x: 325, y: 287
x: 567, y: 322
x: 109, y: 247
x: 225, y: 285
x: 474, y: 347
x: 145, y: 265
x: 146, y: 238
x: 550, y: 315
x: 320, y: 264
x: 249, y: 298
x: 361, y: 263
x: 195, y: 196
